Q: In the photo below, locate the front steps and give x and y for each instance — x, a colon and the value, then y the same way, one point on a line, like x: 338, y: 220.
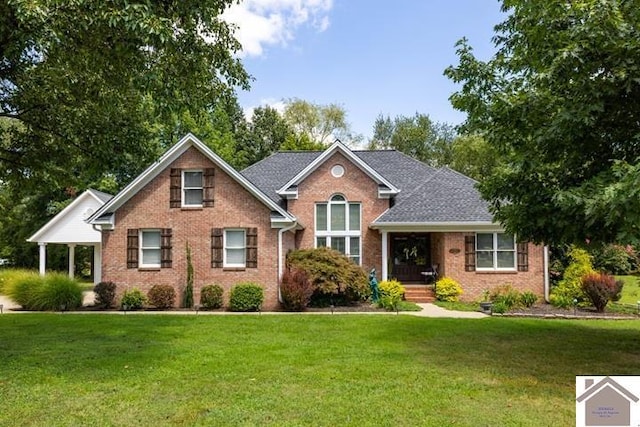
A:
x: 419, y: 293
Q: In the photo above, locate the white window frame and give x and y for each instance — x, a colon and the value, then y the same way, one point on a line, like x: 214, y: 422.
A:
x: 225, y: 247
x: 143, y: 248
x: 328, y: 234
x: 495, y: 252
x: 185, y: 188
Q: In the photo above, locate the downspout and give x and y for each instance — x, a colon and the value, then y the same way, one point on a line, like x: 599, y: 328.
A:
x: 545, y: 262
x: 280, y: 261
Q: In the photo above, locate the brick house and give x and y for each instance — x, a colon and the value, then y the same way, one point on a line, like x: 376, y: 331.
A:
x: 382, y: 209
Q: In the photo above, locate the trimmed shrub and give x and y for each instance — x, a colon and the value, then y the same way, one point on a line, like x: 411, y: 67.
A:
x: 601, y: 288
x: 331, y: 273
x: 134, y: 299
x: 162, y: 296
x: 570, y: 287
x: 528, y: 299
x: 246, y: 297
x: 59, y: 293
x: 447, y: 289
x: 505, y: 294
x: 296, y: 289
x: 211, y: 296
x: 391, y: 293
x: 105, y: 294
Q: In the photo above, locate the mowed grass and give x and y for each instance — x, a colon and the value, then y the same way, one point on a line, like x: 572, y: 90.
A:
x: 630, y: 290
x: 321, y: 370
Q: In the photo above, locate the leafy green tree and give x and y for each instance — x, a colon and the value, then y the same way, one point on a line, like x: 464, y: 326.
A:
x: 417, y: 136
x: 560, y: 101
x: 92, y: 92
x: 318, y: 122
x: 473, y: 156
x: 267, y: 132
x: 88, y: 80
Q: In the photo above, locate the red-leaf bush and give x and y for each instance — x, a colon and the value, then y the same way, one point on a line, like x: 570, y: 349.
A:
x: 296, y: 289
x: 211, y: 296
x: 105, y: 294
x: 601, y: 288
x: 162, y: 296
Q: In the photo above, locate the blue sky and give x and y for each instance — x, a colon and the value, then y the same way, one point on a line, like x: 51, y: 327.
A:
x: 370, y: 57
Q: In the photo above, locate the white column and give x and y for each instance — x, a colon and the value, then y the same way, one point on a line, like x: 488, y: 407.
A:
x: 385, y: 255
x: 72, y: 261
x: 43, y: 258
x: 97, y: 263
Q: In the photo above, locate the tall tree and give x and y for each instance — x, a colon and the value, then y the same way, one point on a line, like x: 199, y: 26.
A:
x: 91, y: 91
x: 266, y: 134
x: 87, y: 80
x: 318, y: 122
x: 473, y: 156
x: 417, y: 136
x: 560, y: 100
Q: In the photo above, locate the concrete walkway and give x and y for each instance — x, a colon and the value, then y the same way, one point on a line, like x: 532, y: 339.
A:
x: 428, y: 310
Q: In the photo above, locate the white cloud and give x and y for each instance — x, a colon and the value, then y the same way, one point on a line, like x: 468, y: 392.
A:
x: 264, y: 23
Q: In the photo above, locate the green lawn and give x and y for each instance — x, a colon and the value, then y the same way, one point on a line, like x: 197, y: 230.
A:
x: 86, y: 369
x: 630, y: 290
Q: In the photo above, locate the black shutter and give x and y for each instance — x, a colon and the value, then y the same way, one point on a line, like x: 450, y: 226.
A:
x: 469, y: 253
x: 208, y: 187
x: 175, y: 188
x: 132, y: 248
x: 523, y: 256
x: 216, y: 248
x: 165, y: 248
x: 252, y: 247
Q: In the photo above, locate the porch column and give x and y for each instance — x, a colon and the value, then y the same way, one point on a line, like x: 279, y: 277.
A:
x: 385, y: 256
x: 43, y: 258
x: 72, y: 261
x: 97, y: 264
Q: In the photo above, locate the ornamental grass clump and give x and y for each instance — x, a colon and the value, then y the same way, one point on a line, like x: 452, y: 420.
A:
x: 54, y: 291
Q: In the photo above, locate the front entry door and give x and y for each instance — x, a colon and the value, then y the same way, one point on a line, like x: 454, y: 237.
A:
x: 411, y: 255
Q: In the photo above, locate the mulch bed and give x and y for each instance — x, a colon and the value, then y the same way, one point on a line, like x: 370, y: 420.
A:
x: 549, y: 311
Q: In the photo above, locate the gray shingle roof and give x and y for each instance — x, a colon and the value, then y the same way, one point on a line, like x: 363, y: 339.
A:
x: 427, y: 195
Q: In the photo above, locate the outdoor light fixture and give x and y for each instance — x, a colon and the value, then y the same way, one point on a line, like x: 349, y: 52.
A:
x: 124, y: 308
x: 2, y: 307
x: 63, y: 307
x: 197, y: 308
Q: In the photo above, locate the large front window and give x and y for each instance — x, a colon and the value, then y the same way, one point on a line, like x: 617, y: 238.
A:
x: 150, y: 248
x: 338, y: 226
x: 495, y: 251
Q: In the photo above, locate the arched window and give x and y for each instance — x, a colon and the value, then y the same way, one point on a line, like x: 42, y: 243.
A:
x: 338, y: 226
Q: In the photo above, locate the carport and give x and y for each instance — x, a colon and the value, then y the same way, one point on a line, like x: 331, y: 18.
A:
x: 69, y: 228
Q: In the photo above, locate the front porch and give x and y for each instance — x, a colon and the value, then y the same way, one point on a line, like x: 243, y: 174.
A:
x: 414, y: 258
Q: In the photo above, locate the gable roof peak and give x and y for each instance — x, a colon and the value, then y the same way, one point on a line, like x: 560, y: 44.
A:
x: 338, y: 146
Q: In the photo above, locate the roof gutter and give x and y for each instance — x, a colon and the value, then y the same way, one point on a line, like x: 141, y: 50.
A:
x: 280, y: 260
x: 545, y: 262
